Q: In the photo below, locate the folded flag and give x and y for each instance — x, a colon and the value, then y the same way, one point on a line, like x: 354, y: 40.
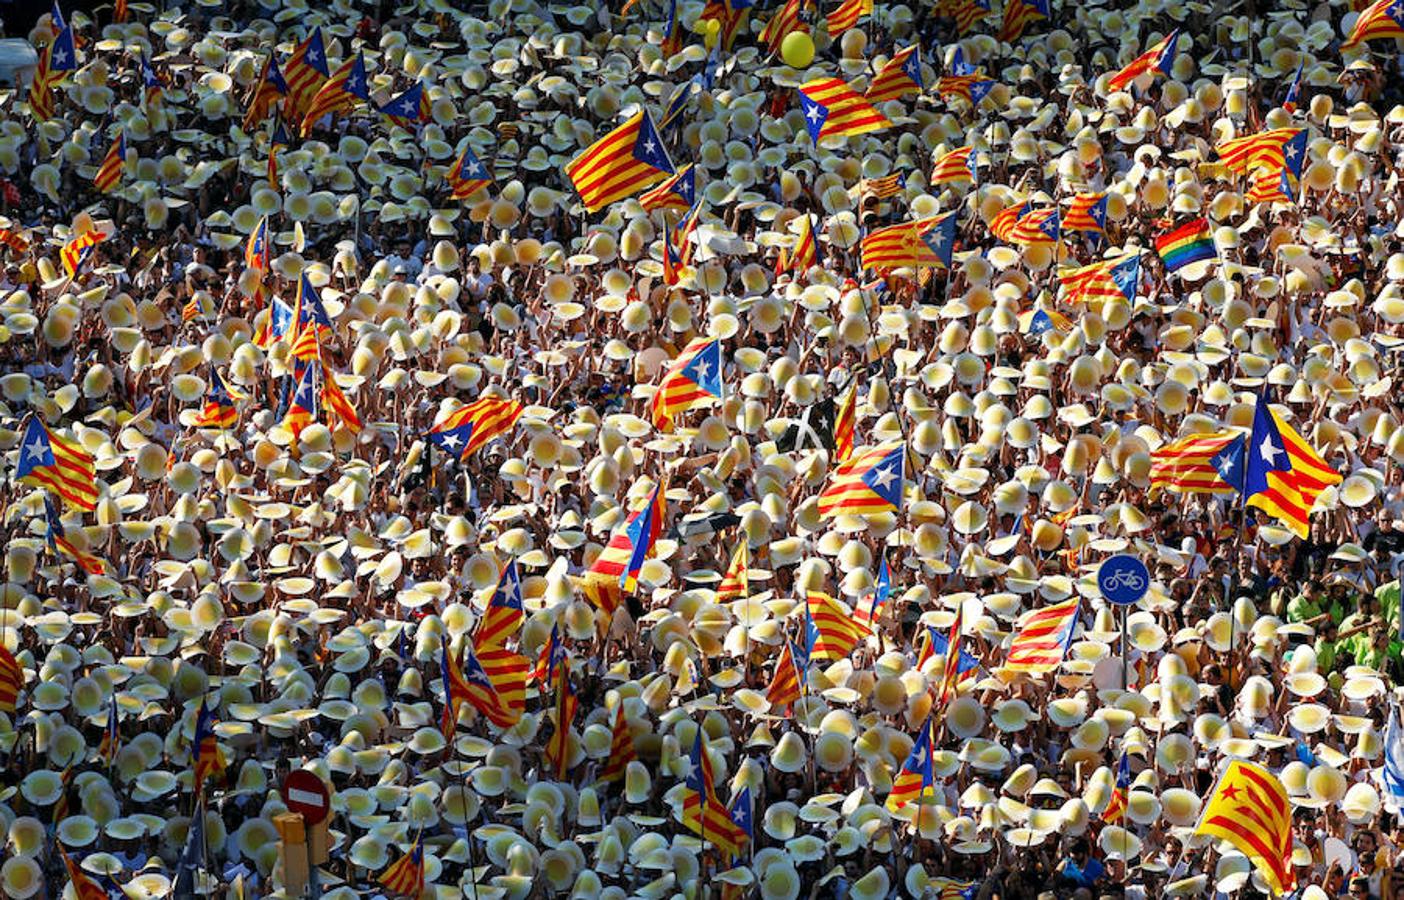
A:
x: 950, y: 673
x: 1116, y: 805
x: 884, y: 187
x: 869, y: 483
x: 467, y: 429
x: 1087, y: 212
x: 678, y: 191
x: 847, y: 15
x: 623, y: 162
x: 1041, y: 320
x: 57, y: 539
x: 276, y: 325
x: 1037, y: 226
x: 557, y: 753
x: 780, y: 25
x: 111, y: 734
x: 270, y: 89
x: 11, y: 680
x: 831, y: 630
x: 844, y: 425
x: 405, y: 876
x: 76, y: 253
x: 900, y: 75
x: 257, y: 249
x: 934, y: 644
x: 57, y: 465
x: 219, y: 411
x: 1019, y: 15
x: 833, y: 109
x: 672, y: 33
x: 336, y: 404
x: 643, y: 531
x: 1157, y: 59
x: 703, y: 813
x: 1044, y: 638
x: 732, y: 14
x: 677, y: 104
x: 1002, y: 225
x: 1199, y: 464
x: 955, y: 167
x: 1294, y: 90
x: 870, y: 608
x: 735, y: 584
x: 1192, y: 242
x: 916, y: 781
x: 693, y: 379
x: 806, y: 252
x: 1381, y: 19
x: 208, y: 757
x: 603, y: 583
x: 1283, y: 473
x: 109, y: 174
x: 467, y: 176
x: 1101, y: 280
x: 1250, y: 809
x: 784, y: 687
x: 967, y: 13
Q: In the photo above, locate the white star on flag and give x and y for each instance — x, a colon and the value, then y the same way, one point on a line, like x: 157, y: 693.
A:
x: 451, y: 440
x: 35, y: 449
x: 884, y: 477
x: 1268, y: 451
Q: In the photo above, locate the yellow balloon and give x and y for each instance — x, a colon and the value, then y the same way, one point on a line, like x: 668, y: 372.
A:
x: 797, y: 50
x: 711, y: 32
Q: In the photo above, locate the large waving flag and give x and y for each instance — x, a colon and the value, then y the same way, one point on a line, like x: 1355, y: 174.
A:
x: 928, y: 242
x: 11, y: 681
x: 954, y: 168
x: 870, y: 482
x: 916, y: 782
x: 504, y: 613
x: 305, y: 74
x: 1087, y: 212
x: 603, y: 583
x: 1157, y: 59
x: 1283, y: 475
x: 847, y: 15
x: 270, y: 89
x: 467, y: 176
x: 678, y: 191
x: 1107, y: 278
x: 1044, y: 639
x: 1199, y: 464
x: 1019, y: 15
x: 1192, y: 242
x: 833, y: 632
x: 109, y: 173
x: 900, y: 75
x: 406, y: 875
x: 1249, y: 809
x: 1264, y: 149
x: 781, y: 24
x: 466, y: 430
x: 623, y: 162
x: 1381, y: 19
x: 973, y: 88
x: 57, y: 538
x: 219, y: 411
x: 703, y: 813
x: 341, y: 92
x: 736, y: 584
x: 833, y: 109
x: 57, y: 465
x: 693, y: 379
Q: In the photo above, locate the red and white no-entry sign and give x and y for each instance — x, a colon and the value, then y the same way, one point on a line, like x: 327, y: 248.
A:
x: 307, y: 794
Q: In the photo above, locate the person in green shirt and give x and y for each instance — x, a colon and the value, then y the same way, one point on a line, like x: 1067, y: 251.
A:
x: 1308, y: 604
x: 1325, y: 647
x: 1355, y: 630
x: 1374, y: 653
x: 1388, y: 596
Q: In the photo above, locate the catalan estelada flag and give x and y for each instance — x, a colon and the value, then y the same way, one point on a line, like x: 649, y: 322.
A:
x: 967, y: 13
x: 1044, y: 638
x: 1156, y: 59
x: 1100, y: 280
x: 405, y: 876
x: 57, y: 538
x: 310, y: 321
x: 109, y: 173
x: 208, y: 757
x: 338, y: 407
x: 1037, y: 226
x: 736, y: 584
x: 41, y: 97
x: 677, y: 104
x: 1041, y: 320
x: 954, y: 168
x: 833, y: 109
x: 621, y: 748
x: 1284, y: 474
x: 1381, y: 19
x: 602, y: 584
x: 57, y: 465
x: 832, y: 631
x: 152, y: 86
x: 923, y: 242
x: 781, y: 24
x: 934, y: 643
x: 1271, y: 186
x: 467, y: 176
x: 847, y: 15
x: 884, y: 187
x: 694, y: 378
x: 1294, y: 90
x: 678, y: 191
x: 84, y: 887
x: 1261, y: 150
x: 1116, y: 806
x: 870, y: 482
x: 305, y: 74
x: 341, y: 92
x: 1002, y: 225
x: 1199, y: 464
x: 643, y: 531
x: 257, y: 249
x: 672, y: 32
x: 219, y: 411
x: 455, y: 691
x: 623, y: 162
x: 409, y: 108
x: 302, y: 411
x: 950, y: 673
x: 1249, y: 809
x: 269, y: 90
x: 111, y: 736
x: 703, y: 813
x: 11, y: 680
x: 1192, y: 242
x: 558, y: 746
x: 276, y: 325
x: 552, y: 655
x: 1087, y: 212
x: 900, y: 75
x: 466, y: 430
x: 806, y: 252
x: 732, y: 14
x: 784, y: 687
x: 504, y: 613
x: 76, y: 253
x: 870, y: 608
x: 916, y: 781
x: 845, y: 420
x: 496, y: 679
x: 1019, y: 15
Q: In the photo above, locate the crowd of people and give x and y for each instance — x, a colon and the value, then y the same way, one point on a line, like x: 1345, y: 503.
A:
x: 538, y: 523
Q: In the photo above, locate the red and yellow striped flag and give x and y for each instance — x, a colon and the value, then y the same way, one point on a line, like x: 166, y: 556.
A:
x: 784, y: 687
x: 1041, y: 643
x: 781, y: 24
x: 1381, y: 19
x: 1262, y: 150
x: 836, y: 631
x: 735, y: 585
x: 900, y: 75
x: 844, y: 422
x: 109, y: 174
x: 869, y: 482
x: 833, y: 109
x: 57, y: 465
x: 621, y: 748
x: 620, y: 164
x: 1250, y: 809
x: 953, y: 167
x: 11, y: 680
x: 847, y: 15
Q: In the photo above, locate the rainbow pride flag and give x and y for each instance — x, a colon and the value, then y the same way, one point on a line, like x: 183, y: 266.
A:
x: 1190, y: 243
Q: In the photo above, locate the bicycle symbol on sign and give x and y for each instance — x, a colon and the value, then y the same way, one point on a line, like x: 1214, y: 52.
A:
x: 1124, y: 579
